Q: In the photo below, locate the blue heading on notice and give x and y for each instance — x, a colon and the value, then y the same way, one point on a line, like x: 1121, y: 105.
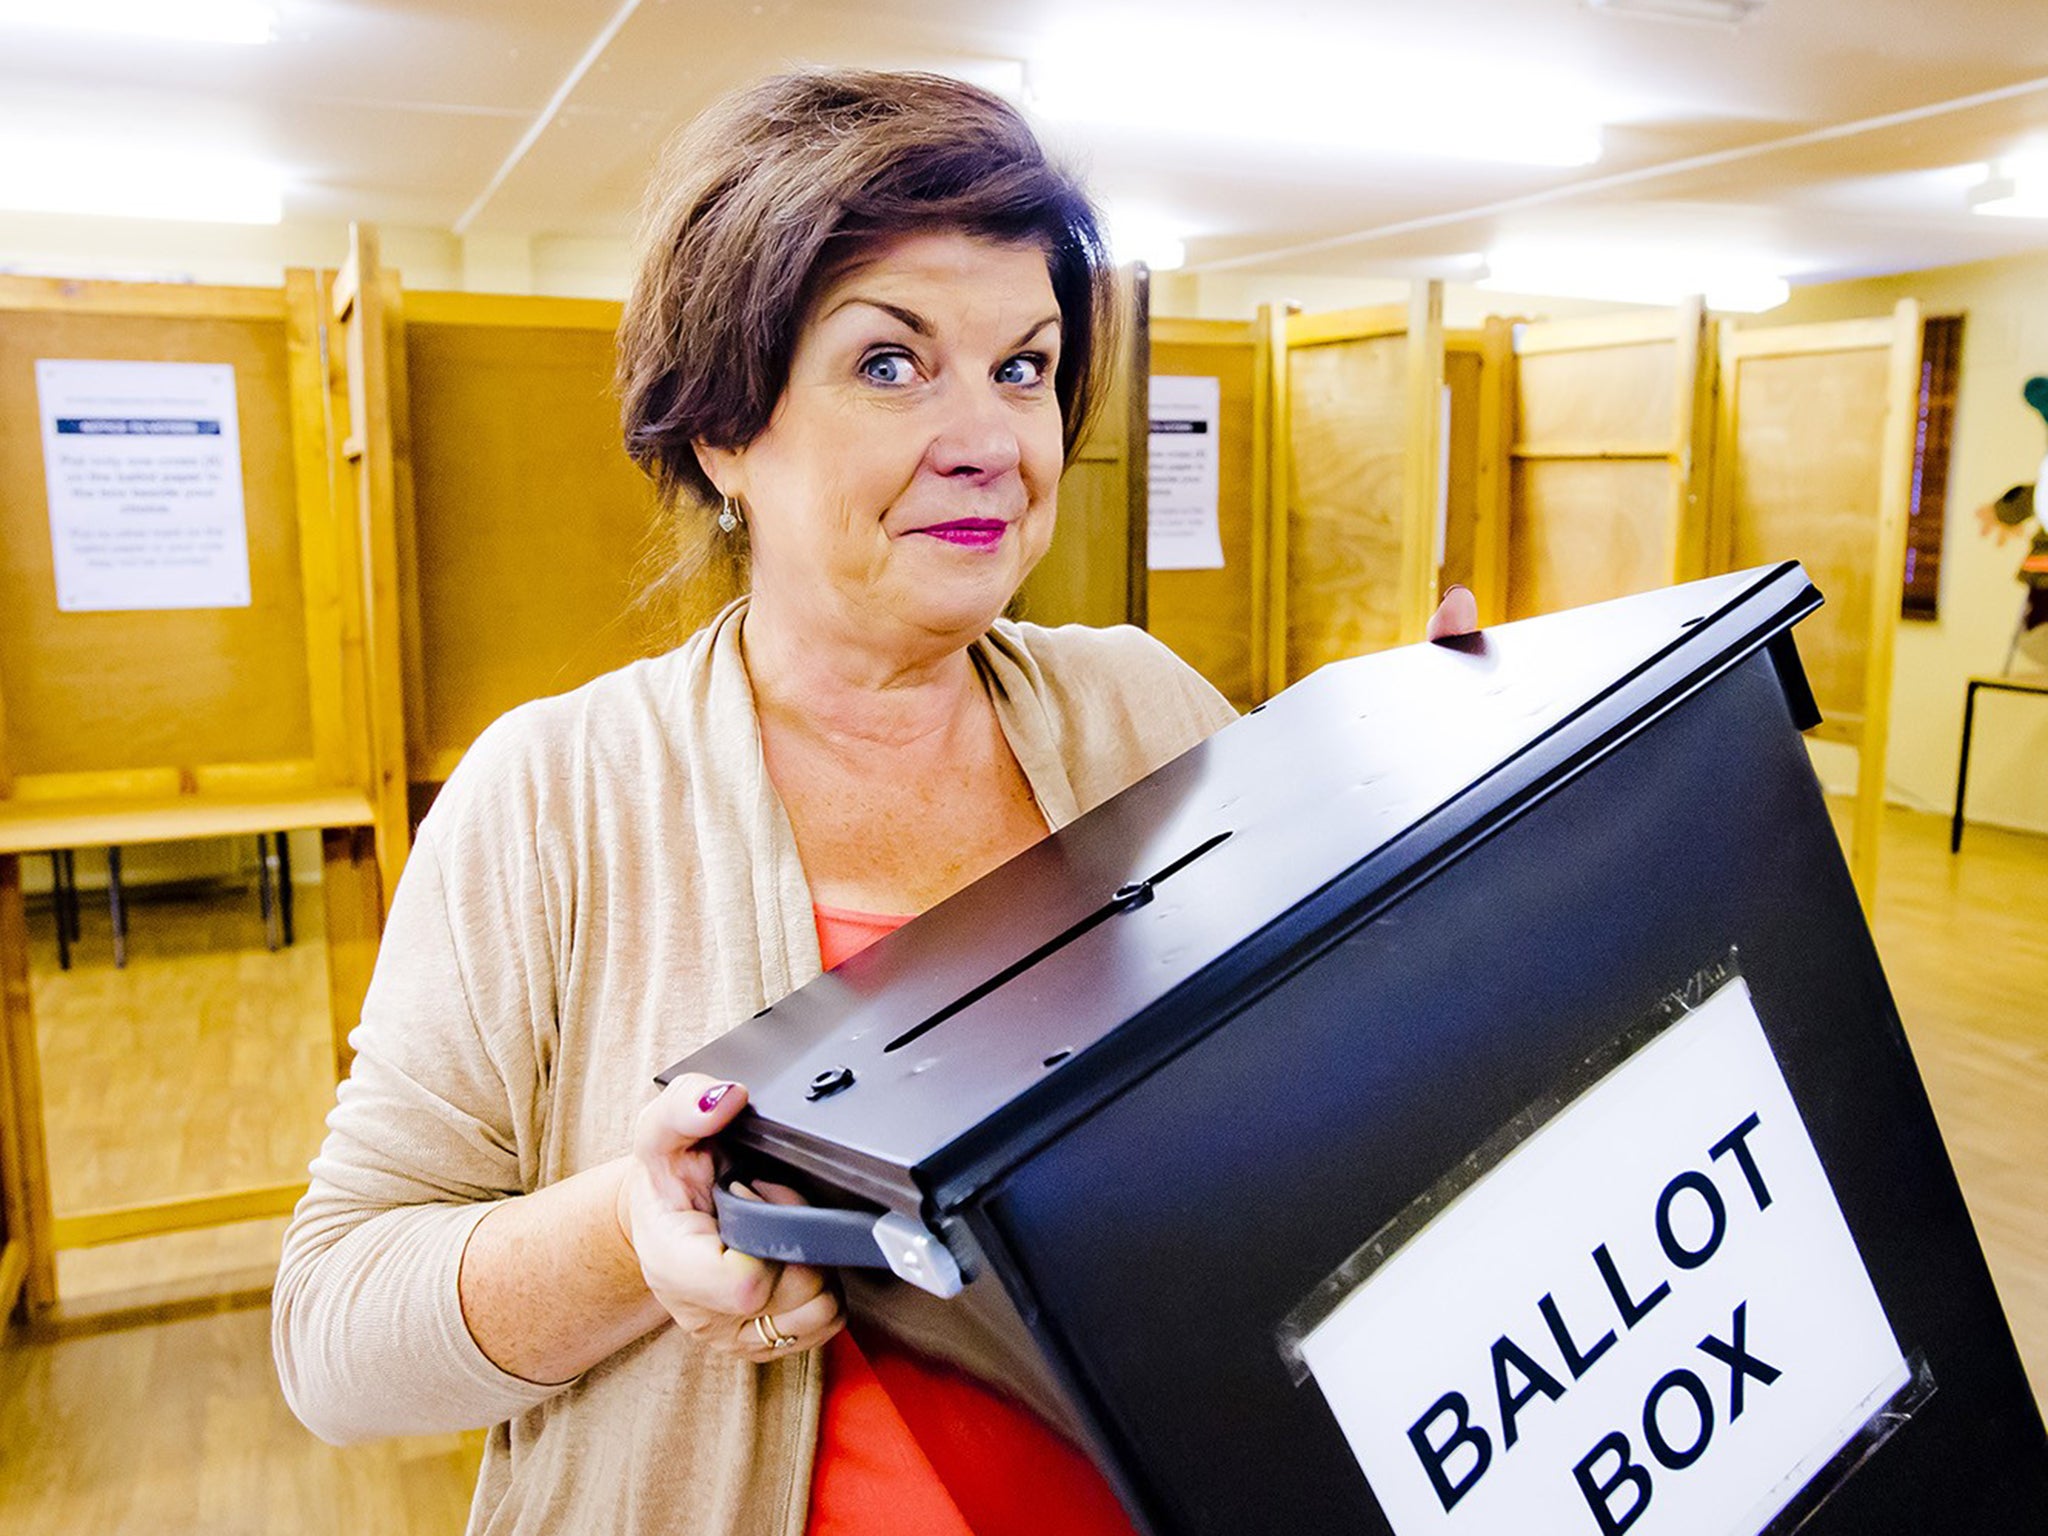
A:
x: 135, y: 426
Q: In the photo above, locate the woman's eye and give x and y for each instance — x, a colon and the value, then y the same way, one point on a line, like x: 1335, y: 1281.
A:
x: 887, y: 368
x: 1026, y: 368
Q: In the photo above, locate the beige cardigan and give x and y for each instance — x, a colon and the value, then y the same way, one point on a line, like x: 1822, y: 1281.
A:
x: 606, y: 883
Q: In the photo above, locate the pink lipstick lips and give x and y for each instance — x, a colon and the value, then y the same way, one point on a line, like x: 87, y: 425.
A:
x: 969, y: 532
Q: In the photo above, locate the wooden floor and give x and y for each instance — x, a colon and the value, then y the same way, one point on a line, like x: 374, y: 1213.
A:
x: 204, y: 1064
x: 1965, y: 944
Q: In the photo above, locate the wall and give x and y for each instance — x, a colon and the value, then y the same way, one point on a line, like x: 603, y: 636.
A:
x: 1998, y: 443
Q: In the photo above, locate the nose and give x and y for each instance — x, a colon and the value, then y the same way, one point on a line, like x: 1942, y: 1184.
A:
x: 976, y: 439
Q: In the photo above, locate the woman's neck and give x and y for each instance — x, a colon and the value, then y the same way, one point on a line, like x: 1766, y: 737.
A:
x: 850, y: 693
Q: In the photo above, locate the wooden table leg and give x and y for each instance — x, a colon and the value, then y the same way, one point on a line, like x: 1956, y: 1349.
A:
x: 117, y: 907
x: 59, y: 909
x: 284, y: 885
x: 352, y: 888
x: 24, y: 1157
x: 264, y: 899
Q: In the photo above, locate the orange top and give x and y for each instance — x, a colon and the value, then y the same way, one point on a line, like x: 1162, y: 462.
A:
x: 905, y: 1445
x: 843, y: 934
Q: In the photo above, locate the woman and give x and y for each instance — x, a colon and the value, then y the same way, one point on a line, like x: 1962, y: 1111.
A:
x: 864, y: 338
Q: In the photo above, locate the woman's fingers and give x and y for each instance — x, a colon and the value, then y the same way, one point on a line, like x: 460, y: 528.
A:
x: 688, y: 1266
x: 806, y: 1326
x: 716, y: 1292
x: 687, y: 1111
x: 713, y: 1291
x: 669, y: 1130
x: 1457, y: 614
x: 797, y: 1284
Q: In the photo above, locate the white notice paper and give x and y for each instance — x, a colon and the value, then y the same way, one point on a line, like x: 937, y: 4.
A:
x: 1650, y: 1317
x: 144, y: 467
x: 1181, y: 513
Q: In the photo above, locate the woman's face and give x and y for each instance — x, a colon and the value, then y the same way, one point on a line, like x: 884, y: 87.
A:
x: 906, y: 482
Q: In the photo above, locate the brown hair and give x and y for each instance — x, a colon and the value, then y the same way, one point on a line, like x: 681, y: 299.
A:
x: 770, y: 185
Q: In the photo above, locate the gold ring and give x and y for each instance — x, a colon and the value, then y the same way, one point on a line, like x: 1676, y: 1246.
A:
x: 772, y: 1337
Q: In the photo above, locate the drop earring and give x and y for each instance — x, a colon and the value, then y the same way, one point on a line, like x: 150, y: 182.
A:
x: 728, y: 515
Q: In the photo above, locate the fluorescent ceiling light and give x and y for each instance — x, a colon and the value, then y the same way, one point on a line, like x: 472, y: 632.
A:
x: 1209, y: 83
x: 48, y: 175
x: 198, y: 21
x: 2016, y: 190
x: 1146, y: 237
x: 1737, y: 284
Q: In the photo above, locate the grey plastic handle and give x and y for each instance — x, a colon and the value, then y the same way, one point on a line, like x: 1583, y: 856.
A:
x: 837, y: 1239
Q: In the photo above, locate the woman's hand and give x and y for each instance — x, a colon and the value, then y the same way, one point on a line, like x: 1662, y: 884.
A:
x: 726, y: 1300
x: 1457, y: 614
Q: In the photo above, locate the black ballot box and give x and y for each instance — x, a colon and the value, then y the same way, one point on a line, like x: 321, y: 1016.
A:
x: 1461, y: 1096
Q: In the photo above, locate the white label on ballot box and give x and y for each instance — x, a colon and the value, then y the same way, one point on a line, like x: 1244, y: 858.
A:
x: 1650, y: 1317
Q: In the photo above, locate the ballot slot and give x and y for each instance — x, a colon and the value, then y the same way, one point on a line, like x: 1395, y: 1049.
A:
x: 1126, y: 898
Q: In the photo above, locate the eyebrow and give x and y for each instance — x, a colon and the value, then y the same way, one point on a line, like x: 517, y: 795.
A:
x: 916, y: 324
x: 909, y: 318
x: 1052, y: 320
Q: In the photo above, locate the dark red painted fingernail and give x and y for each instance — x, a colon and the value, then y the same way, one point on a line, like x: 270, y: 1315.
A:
x: 712, y: 1096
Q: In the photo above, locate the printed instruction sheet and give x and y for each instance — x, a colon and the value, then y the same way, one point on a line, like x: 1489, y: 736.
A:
x: 1182, y: 511
x: 144, y: 467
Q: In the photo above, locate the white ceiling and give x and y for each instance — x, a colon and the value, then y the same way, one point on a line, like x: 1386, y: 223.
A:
x: 1828, y: 136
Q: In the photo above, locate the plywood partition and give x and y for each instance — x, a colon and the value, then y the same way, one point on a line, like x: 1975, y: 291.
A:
x: 28, y: 1268
x: 1814, y: 459
x: 1608, y: 469
x: 1479, y: 372
x: 1216, y: 619
x: 1423, y: 464
x: 1354, y: 525
x: 365, y: 447
x: 529, y: 525
x: 1271, y: 641
x: 1094, y: 572
x: 174, y: 709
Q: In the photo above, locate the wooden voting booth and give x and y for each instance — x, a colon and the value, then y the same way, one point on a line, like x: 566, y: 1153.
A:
x: 1352, y: 567
x: 1574, y: 461
x: 1652, y: 449
x: 1216, y: 619
x: 1815, y: 452
x: 518, y: 524
x: 138, y: 726
x: 442, y: 525
x: 1606, y: 488
x: 1333, y: 484
x: 1094, y: 573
